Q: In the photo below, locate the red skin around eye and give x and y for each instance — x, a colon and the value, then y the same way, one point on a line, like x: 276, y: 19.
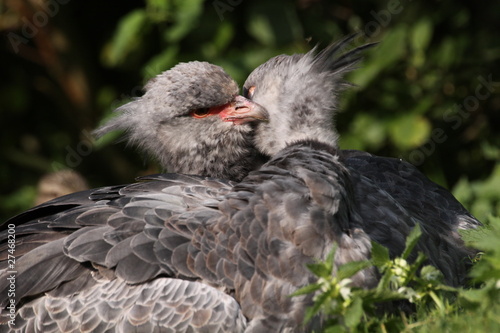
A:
x: 239, y: 111
x: 212, y: 111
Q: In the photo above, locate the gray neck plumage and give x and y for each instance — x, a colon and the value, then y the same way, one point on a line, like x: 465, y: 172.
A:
x: 313, y: 122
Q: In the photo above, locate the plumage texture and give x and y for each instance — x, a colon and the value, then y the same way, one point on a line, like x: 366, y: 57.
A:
x: 169, y: 227
x: 161, y: 305
x: 110, y: 264
x: 160, y: 124
x: 388, y: 186
x: 301, y: 95
x: 393, y: 195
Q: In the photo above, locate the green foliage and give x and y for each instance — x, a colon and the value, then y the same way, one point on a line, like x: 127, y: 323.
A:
x: 336, y: 299
x: 21, y: 198
x: 385, y: 55
x: 127, y: 37
x: 181, y: 16
x: 482, y: 196
x: 487, y: 240
x: 409, y: 130
x: 475, y: 309
x: 420, y: 38
x: 352, y: 308
x: 184, y: 16
x: 437, y: 307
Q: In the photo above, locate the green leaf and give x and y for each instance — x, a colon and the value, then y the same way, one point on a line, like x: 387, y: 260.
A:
x: 349, y: 269
x: 323, y: 269
x: 490, y: 151
x: 126, y: 38
x: 488, y: 268
x: 158, y: 10
x: 409, y: 131
x: 481, y: 196
x: 354, y: 313
x: 274, y: 23
x: 430, y: 273
x: 475, y: 295
x: 419, y: 40
x: 423, y: 105
x: 221, y: 40
x: 391, y: 49
x: 335, y: 329
x: 462, y: 191
x: 185, y: 19
x: 370, y: 129
x: 331, y: 255
x: 489, y: 189
x: 484, y: 272
x: 421, y: 35
x: 385, y: 281
x: 446, y: 53
x: 411, y: 241
x: 161, y: 62
x: 388, y: 295
x: 320, y: 301
x: 481, y: 207
x: 380, y: 254
x: 21, y: 199
x: 307, y: 289
x: 260, y: 28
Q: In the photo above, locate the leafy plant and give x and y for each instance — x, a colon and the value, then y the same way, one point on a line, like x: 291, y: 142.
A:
x: 435, y: 307
x: 353, y: 308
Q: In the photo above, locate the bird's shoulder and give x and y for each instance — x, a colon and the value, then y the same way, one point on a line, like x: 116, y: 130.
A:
x: 410, y: 187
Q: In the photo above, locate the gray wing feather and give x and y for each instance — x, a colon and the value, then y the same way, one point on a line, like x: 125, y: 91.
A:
x: 161, y: 305
x: 118, y: 233
x: 395, y: 196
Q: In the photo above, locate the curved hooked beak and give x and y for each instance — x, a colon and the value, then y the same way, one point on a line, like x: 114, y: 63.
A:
x: 242, y: 110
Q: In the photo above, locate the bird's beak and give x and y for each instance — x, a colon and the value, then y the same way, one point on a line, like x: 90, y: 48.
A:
x: 242, y: 110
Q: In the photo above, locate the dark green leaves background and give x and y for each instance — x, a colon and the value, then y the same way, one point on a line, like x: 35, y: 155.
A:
x: 424, y: 94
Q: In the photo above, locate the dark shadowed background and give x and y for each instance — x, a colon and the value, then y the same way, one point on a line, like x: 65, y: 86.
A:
x: 425, y: 94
